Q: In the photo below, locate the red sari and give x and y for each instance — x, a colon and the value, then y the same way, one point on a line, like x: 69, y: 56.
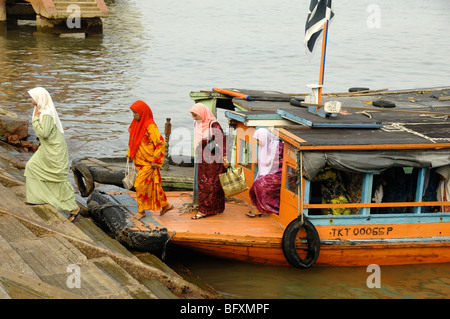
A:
x: 147, y: 146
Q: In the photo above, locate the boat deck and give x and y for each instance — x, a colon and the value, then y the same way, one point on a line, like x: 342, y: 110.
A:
x: 230, y: 231
x: 232, y: 222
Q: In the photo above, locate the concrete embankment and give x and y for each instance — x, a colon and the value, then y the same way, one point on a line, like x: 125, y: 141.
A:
x: 43, y: 255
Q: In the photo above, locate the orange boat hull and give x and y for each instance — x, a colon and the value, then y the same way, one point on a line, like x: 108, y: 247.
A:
x: 233, y: 235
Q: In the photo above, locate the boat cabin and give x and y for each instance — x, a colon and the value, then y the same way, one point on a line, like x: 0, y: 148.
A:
x: 363, y: 151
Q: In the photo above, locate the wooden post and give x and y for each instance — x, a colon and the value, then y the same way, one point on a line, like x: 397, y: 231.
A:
x: 167, y: 132
x: 2, y: 10
x: 322, y: 63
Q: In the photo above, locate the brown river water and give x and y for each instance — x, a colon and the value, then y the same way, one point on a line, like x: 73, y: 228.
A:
x: 160, y: 51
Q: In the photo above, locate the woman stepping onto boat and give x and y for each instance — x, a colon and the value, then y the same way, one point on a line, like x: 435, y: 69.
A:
x: 210, y: 150
x: 146, y: 149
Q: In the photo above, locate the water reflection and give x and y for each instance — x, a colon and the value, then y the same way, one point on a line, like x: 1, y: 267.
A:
x: 240, y: 280
x: 159, y: 51
x: 91, y: 80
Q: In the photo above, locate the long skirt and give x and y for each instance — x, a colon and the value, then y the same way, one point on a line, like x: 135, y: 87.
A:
x: 211, y: 198
x: 58, y: 194
x: 265, y: 193
x: 149, y: 192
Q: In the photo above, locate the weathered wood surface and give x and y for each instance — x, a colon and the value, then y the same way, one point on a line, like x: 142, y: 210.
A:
x: 38, y: 245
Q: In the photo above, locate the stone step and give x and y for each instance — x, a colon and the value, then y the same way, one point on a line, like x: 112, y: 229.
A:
x: 130, y: 284
x: 97, y: 235
x: 12, y: 230
x: 11, y: 260
x: 4, y: 292
x: 9, y: 200
x: 20, y: 286
x: 60, y: 264
x: 155, y: 287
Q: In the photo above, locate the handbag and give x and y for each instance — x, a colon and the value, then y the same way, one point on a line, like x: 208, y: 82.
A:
x: 130, y: 176
x: 233, y: 181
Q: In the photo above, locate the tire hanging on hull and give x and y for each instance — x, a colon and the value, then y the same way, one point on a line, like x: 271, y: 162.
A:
x: 289, y: 243
x: 81, y: 171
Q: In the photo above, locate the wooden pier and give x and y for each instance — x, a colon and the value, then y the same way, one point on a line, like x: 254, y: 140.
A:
x: 56, y: 16
x: 42, y: 254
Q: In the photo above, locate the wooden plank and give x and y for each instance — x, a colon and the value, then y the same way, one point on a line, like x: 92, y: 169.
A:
x: 12, y: 230
x: 11, y: 260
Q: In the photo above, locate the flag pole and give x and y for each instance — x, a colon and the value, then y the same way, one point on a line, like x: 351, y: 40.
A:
x: 322, y: 63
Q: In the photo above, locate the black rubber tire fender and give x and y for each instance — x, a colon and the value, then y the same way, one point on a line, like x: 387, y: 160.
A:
x: 289, y: 243
x: 358, y: 89
x: 383, y: 103
x: 81, y: 171
x: 297, y: 101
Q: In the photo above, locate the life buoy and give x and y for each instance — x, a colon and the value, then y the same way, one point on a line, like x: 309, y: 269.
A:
x: 289, y: 243
x: 81, y: 171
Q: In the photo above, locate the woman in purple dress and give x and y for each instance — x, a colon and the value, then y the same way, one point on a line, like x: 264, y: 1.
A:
x: 210, y: 150
x: 265, y: 191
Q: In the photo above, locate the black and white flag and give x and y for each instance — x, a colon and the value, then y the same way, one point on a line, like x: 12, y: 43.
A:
x: 319, y: 12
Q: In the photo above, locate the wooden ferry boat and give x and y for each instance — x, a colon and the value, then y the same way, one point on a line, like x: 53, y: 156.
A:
x: 407, y: 132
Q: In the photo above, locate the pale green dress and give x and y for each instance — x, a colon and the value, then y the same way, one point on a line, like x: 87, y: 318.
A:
x: 46, y: 171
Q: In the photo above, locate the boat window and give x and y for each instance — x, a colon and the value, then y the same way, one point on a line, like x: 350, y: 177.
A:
x: 331, y: 186
x: 396, y: 184
x: 397, y: 190
x: 245, y: 154
x: 429, y: 190
x: 291, y: 179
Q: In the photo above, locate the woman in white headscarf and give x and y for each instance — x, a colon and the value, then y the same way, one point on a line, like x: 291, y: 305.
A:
x: 46, y: 171
x: 443, y: 190
x: 265, y: 191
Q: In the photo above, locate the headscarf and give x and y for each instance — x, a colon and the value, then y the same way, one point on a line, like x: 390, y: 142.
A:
x: 268, y: 161
x: 137, y: 129
x: 444, y: 185
x: 45, y: 105
x: 202, y: 126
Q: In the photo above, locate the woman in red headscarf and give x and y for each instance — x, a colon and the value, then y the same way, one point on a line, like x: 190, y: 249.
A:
x: 210, y: 148
x: 146, y: 149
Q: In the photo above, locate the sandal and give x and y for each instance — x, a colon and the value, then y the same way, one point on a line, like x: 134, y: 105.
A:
x: 252, y: 214
x: 74, y: 215
x: 165, y: 209
x: 198, y: 216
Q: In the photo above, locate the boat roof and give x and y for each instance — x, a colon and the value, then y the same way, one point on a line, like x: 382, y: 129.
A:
x: 397, y: 137
x: 420, y: 117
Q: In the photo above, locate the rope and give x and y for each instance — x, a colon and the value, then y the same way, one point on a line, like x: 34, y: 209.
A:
x: 435, y: 116
x: 398, y: 127
x: 187, y: 207
x: 163, y: 255
x: 299, y: 186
